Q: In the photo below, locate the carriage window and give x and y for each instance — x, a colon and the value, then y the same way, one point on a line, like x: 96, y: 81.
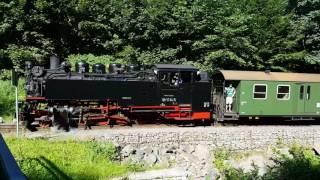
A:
x: 308, y: 92
x: 283, y: 92
x: 301, y: 92
x: 260, y: 91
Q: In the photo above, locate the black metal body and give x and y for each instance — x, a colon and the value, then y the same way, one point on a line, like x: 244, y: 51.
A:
x: 162, y: 85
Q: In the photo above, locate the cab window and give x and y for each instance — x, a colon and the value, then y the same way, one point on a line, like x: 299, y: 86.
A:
x: 164, y: 77
x: 174, y: 79
x: 169, y: 78
x: 185, y: 77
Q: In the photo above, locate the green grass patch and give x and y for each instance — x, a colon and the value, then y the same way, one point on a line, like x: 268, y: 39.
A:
x: 53, y: 159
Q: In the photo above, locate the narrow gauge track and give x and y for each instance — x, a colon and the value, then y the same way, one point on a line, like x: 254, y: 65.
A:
x: 8, y: 128
x: 269, y: 122
x: 11, y: 128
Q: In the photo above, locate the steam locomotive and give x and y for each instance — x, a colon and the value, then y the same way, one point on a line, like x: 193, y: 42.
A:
x: 162, y: 92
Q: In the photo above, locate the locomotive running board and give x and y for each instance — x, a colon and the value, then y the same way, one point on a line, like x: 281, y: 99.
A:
x: 160, y: 109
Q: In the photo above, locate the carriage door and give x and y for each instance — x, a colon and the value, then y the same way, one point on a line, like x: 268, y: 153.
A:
x: 306, y: 101
x: 301, y: 98
x: 310, y: 104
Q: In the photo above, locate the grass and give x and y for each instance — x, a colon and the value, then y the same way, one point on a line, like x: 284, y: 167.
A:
x: 47, y: 159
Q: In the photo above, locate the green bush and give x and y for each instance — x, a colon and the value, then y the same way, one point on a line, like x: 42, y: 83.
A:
x: 43, y: 159
x: 92, y: 59
x: 7, y: 97
x: 302, y: 163
x: 5, y: 74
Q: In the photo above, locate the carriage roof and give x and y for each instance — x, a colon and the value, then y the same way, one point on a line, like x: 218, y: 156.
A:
x: 176, y: 66
x: 268, y: 76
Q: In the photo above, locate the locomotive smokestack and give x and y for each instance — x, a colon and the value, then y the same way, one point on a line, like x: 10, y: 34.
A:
x: 54, y: 62
x: 267, y: 70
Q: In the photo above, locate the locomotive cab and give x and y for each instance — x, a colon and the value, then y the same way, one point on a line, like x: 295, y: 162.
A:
x: 175, y: 83
x: 186, y: 88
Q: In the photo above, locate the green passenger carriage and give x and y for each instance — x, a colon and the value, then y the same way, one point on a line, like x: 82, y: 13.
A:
x: 260, y: 94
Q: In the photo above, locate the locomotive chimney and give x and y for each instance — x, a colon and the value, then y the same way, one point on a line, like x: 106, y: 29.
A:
x: 267, y: 70
x: 54, y: 62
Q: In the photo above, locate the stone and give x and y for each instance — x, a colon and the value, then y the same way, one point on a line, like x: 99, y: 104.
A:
x: 134, y: 159
x: 127, y: 150
x: 171, y: 149
x: 163, y: 162
x: 202, y: 152
x: 246, y: 164
x: 316, y: 149
x: 285, y: 151
x: 147, y: 150
x: 189, y: 157
x: 187, y: 148
x: 150, y: 159
x: 172, y: 158
x: 139, y: 154
x: 156, y: 151
x: 172, y: 173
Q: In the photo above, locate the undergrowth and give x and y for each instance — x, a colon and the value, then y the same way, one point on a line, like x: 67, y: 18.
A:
x: 7, y: 98
x: 44, y: 159
x: 300, y: 164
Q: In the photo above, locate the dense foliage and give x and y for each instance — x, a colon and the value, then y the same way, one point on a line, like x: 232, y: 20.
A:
x: 43, y: 159
x: 301, y: 163
x: 7, y: 98
x: 232, y: 34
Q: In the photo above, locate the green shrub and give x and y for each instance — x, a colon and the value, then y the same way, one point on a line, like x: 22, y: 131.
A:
x: 220, y: 156
x: 7, y: 97
x: 5, y: 74
x: 302, y: 163
x: 235, y: 174
x: 92, y: 59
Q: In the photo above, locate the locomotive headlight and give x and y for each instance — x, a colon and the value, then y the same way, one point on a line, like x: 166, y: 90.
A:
x: 198, y: 72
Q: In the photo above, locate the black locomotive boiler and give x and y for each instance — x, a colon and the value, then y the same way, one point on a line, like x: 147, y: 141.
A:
x: 124, y: 94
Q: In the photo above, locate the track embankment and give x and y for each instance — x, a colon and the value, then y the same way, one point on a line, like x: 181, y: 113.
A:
x: 233, y: 138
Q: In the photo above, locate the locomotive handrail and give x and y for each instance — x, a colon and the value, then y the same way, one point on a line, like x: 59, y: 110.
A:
x: 62, y: 74
x: 9, y: 168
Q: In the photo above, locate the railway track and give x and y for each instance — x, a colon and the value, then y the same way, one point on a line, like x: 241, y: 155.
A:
x: 11, y: 128
x: 8, y: 128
